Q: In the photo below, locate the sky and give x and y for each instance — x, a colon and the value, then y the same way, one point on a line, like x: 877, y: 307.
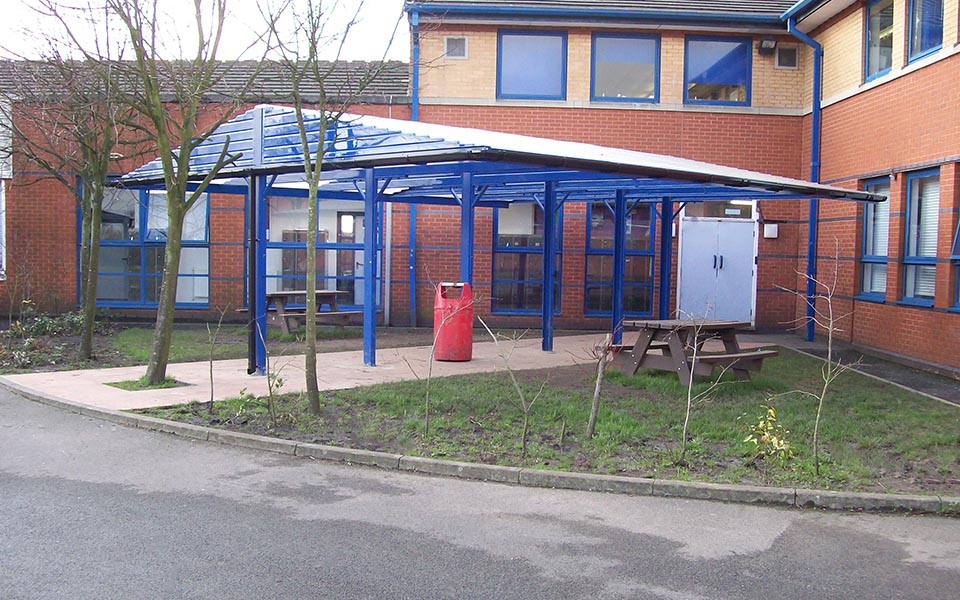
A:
x: 367, y: 40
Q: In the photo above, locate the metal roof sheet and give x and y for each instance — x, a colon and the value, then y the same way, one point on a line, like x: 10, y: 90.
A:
x: 424, y: 162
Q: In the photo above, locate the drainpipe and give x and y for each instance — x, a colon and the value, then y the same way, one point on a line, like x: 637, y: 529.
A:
x: 814, y: 169
x: 414, y: 116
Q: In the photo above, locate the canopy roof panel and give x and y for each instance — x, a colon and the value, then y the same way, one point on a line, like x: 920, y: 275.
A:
x: 424, y: 162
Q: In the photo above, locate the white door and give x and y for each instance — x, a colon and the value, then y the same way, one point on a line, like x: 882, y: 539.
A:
x: 717, y: 269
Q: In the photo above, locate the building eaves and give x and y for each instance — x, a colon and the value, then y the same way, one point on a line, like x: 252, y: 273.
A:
x: 745, y: 12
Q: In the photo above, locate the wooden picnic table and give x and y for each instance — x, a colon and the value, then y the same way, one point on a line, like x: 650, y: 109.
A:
x: 289, y: 316
x: 670, y: 345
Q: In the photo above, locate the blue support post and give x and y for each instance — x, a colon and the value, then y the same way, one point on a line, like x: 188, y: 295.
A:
x: 466, y: 228
x: 258, y: 275
x: 415, y: 77
x: 666, y: 257
x: 549, y: 260
x: 412, y: 264
x: 619, y: 262
x: 370, y: 235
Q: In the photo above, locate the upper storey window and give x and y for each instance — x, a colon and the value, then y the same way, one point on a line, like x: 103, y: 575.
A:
x: 717, y: 70
x: 532, y: 65
x: 926, y: 27
x: 879, y: 38
x: 625, y: 68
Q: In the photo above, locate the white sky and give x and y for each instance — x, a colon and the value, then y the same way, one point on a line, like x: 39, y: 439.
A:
x: 367, y: 40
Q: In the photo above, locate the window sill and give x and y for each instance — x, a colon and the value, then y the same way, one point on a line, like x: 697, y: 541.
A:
x: 915, y: 302
x: 954, y: 309
x: 924, y: 54
x: 876, y: 298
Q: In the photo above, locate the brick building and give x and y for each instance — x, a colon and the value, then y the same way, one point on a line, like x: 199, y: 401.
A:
x: 727, y: 82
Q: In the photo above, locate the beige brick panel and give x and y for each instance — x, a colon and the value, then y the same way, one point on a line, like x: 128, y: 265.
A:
x: 842, y: 54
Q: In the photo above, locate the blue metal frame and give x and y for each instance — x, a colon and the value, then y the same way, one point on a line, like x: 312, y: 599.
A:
x: 562, y: 35
x: 873, y: 259
x: 371, y: 258
x: 549, y: 261
x: 955, y: 258
x: 686, y: 69
x: 911, y: 57
x: 867, y: 76
x: 619, y: 253
x: 144, y: 245
x: 625, y: 36
x: 912, y: 260
x: 666, y: 257
x: 524, y: 250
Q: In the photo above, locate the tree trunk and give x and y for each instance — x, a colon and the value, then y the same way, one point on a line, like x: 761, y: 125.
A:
x: 88, y: 271
x: 160, y: 354
x: 310, y: 367
x: 601, y: 370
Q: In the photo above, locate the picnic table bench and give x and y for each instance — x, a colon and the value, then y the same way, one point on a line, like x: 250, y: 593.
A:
x: 670, y: 345
x: 290, y: 313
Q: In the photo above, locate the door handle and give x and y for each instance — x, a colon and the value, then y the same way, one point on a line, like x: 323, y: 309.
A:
x: 721, y: 261
x: 714, y: 262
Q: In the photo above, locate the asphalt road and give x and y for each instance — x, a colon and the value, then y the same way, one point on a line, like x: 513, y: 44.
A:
x: 93, y: 510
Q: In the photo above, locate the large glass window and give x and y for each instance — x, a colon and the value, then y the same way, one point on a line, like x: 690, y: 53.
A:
x: 532, y: 65
x: 625, y: 68
x: 339, y: 250
x: 518, y: 259
x: 876, y: 228
x: 926, y: 27
x: 638, y: 267
x: 132, y: 257
x: 718, y: 70
x: 920, y: 251
x: 879, y: 38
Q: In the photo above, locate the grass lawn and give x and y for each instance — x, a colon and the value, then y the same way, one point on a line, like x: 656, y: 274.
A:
x: 874, y: 436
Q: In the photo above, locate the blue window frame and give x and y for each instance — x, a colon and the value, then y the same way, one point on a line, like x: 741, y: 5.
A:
x: 920, y: 239
x: 133, y: 239
x: 339, y: 248
x: 874, y: 247
x: 638, y: 269
x: 717, y: 70
x: 532, y: 65
x: 878, y: 39
x: 955, y: 260
x: 518, y: 260
x: 625, y: 68
x: 926, y: 27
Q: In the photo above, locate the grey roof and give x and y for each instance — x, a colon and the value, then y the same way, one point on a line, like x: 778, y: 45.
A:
x: 687, y: 10
x: 367, y: 82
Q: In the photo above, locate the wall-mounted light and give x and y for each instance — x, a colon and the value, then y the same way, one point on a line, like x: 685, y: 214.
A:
x: 766, y: 46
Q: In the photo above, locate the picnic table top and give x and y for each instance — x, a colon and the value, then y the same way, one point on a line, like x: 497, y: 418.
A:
x: 705, y: 324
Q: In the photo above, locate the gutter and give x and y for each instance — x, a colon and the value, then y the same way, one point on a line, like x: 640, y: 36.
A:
x: 814, y: 162
x: 412, y: 208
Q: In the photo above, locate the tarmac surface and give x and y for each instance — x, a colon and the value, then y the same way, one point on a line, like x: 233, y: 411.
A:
x: 88, y: 393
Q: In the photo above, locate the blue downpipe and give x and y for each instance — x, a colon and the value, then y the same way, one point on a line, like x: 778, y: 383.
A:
x: 814, y: 171
x: 414, y: 116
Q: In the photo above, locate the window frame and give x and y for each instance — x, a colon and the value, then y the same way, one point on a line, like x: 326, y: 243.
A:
x: 589, y: 250
x: 955, y: 265
x: 746, y: 41
x: 446, y: 47
x: 867, y: 76
x: 873, y: 259
x: 561, y: 35
x: 144, y: 245
x: 655, y: 38
x: 778, y: 65
x: 913, y: 260
x: 526, y: 250
x: 912, y: 32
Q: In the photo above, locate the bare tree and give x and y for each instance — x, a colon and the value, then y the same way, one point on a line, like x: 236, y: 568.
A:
x: 300, y: 57
x: 170, y: 92
x: 64, y: 118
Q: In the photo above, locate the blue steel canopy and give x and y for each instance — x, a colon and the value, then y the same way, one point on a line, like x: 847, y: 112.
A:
x: 425, y: 163
x: 376, y: 160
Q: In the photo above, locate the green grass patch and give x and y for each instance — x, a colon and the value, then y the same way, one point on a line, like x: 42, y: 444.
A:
x: 874, y: 436
x: 187, y: 345
x: 138, y: 385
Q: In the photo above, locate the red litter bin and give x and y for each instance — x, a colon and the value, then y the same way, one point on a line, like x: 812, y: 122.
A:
x: 453, y: 322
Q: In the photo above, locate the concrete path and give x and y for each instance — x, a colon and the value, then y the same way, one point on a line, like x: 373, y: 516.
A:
x: 338, y: 370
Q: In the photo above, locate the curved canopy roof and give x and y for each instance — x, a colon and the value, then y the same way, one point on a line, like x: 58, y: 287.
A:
x: 425, y: 163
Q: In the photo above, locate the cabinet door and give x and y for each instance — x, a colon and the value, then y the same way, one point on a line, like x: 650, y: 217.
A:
x: 735, y: 271
x: 697, y: 286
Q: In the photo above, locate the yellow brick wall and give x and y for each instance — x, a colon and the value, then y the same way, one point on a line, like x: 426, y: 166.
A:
x: 843, y: 54
x: 476, y: 77
x: 950, y: 20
